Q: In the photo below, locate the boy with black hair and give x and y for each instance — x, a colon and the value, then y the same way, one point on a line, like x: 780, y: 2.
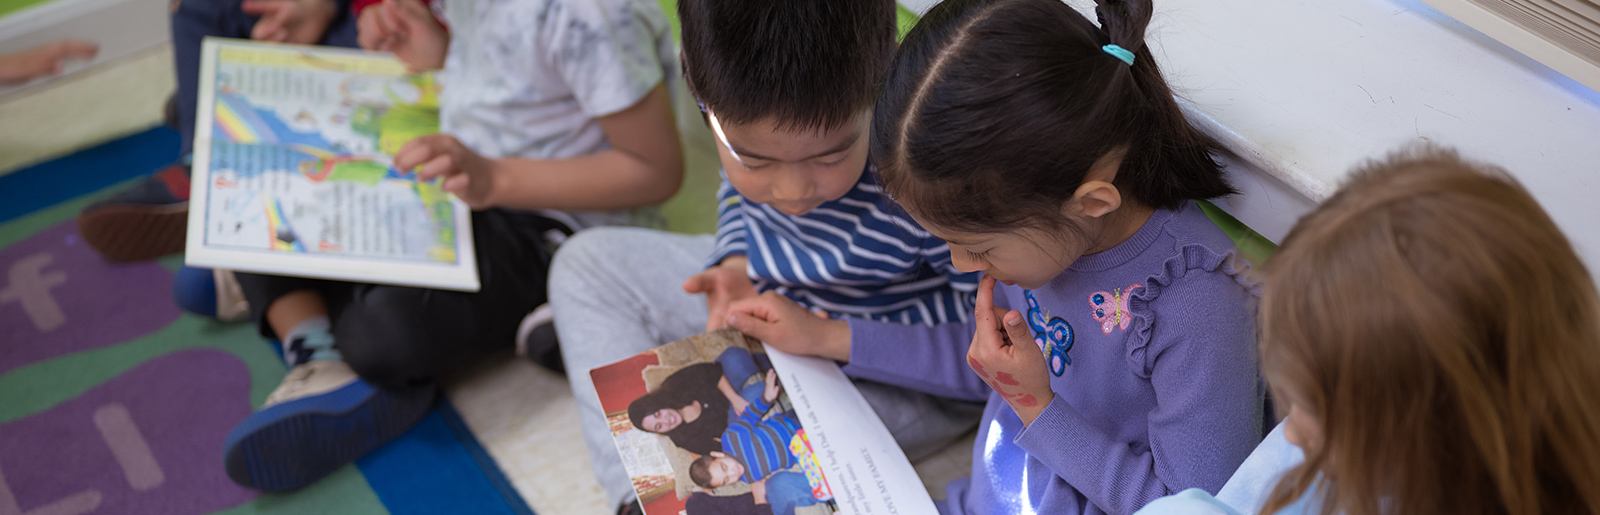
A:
x: 787, y: 88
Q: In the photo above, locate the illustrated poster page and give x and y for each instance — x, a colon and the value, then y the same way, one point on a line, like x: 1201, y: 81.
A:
x: 707, y: 425
x: 294, y: 169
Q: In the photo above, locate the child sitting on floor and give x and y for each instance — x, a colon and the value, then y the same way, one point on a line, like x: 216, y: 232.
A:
x: 555, y: 118
x: 1117, y: 358
x: 788, y: 90
x: 1436, y: 342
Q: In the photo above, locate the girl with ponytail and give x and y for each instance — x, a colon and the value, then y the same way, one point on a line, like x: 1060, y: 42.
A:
x: 1117, y: 361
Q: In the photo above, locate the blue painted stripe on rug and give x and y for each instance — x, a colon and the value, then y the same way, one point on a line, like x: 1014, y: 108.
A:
x: 428, y: 470
x: 52, y: 182
x: 490, y: 467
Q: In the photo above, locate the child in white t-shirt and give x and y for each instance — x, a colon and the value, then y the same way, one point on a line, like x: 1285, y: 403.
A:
x: 555, y: 117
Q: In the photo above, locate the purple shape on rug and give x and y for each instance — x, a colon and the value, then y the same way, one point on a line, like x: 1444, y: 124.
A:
x: 146, y: 442
x: 57, y: 296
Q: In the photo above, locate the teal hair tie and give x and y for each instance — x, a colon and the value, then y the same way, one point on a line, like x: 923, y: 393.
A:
x: 1120, y: 53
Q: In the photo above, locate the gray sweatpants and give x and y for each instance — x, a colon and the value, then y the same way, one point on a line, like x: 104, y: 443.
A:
x: 618, y: 292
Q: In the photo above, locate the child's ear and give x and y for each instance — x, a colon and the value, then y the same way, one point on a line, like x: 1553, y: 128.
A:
x: 1093, y: 199
x: 1097, y: 196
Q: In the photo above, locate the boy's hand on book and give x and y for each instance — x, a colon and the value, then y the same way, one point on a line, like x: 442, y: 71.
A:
x: 407, y: 29
x: 290, y: 21
x: 723, y: 284
x: 43, y: 60
x: 1004, y: 354
x: 465, y: 173
x: 778, y: 321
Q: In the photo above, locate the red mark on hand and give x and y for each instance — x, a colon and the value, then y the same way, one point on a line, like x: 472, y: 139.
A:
x: 976, y: 366
x: 1027, y: 400
x: 1005, y: 378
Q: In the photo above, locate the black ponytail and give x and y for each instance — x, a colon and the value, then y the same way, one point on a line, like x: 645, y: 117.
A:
x: 994, y: 111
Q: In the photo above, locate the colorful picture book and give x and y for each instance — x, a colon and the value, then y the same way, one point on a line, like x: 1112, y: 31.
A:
x: 719, y: 423
x: 293, y: 169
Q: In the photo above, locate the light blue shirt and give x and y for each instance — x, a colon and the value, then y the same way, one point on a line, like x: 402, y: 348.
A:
x: 1247, y: 490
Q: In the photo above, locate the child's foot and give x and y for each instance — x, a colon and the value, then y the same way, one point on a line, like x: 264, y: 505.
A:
x: 143, y: 222
x: 210, y: 293
x: 536, y: 339
x: 321, y: 418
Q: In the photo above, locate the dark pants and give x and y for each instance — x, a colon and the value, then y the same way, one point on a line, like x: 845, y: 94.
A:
x: 395, y: 335
x: 196, y: 19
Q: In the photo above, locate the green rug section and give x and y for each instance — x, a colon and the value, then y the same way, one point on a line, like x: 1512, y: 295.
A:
x: 40, y: 386
x: 10, y: 6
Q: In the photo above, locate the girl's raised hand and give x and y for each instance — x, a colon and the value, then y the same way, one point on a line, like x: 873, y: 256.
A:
x: 1004, y: 355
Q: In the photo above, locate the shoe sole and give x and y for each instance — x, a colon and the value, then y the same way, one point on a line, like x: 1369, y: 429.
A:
x: 294, y: 444
x: 132, y: 232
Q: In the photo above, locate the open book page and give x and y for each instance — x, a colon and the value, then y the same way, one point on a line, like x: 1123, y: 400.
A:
x: 719, y: 424
x: 293, y: 169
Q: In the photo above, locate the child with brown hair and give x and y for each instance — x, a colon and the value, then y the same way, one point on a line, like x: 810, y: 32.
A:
x: 1117, y: 361
x: 1436, y: 342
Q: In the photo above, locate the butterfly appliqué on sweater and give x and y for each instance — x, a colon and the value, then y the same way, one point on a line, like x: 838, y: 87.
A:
x: 1111, y: 308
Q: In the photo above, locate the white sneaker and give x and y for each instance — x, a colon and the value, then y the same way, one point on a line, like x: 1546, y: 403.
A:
x: 231, y: 304
x: 311, y: 378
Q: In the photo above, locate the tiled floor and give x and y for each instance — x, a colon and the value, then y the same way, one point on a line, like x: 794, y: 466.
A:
x: 525, y: 416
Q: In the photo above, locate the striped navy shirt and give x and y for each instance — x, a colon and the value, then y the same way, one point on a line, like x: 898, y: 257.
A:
x: 859, y: 255
x: 762, y: 446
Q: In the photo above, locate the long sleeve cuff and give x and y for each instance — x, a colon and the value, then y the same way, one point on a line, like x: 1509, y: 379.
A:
x: 919, y: 357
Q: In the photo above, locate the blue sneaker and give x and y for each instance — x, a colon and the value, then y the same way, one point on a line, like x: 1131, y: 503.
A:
x: 322, y: 417
x: 210, y: 293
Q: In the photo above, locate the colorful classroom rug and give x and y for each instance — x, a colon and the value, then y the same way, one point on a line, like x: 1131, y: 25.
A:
x: 114, y: 401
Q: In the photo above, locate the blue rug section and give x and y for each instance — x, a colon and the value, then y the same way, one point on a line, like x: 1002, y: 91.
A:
x: 52, y: 182
x: 486, y: 462
x: 431, y: 470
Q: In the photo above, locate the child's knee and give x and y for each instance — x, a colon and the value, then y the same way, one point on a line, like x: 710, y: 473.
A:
x: 394, y: 336
x: 389, y: 359
x: 207, y: 11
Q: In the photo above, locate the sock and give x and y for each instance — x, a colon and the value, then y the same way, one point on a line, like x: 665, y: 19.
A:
x: 311, y: 340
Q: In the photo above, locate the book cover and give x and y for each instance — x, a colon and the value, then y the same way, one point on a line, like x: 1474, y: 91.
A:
x: 293, y: 169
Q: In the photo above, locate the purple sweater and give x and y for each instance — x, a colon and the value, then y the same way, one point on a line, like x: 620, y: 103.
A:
x: 1157, y: 390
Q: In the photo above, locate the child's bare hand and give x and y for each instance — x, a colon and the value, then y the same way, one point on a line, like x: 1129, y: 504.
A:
x: 465, y: 173
x: 739, y: 405
x: 778, y: 321
x: 771, y: 393
x: 723, y: 284
x: 290, y: 21
x: 758, y: 490
x: 1004, y: 355
x: 44, y: 60
x: 407, y: 29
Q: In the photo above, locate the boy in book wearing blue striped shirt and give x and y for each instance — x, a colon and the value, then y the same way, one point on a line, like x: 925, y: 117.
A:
x: 760, y: 448
x: 788, y: 89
